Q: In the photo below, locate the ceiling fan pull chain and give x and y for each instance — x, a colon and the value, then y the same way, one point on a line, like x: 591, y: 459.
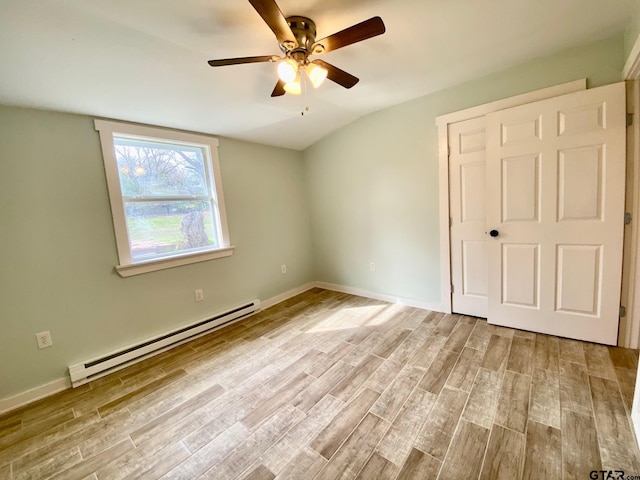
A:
x: 303, y: 93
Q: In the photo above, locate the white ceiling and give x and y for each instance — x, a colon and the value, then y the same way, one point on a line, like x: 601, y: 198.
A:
x: 145, y: 60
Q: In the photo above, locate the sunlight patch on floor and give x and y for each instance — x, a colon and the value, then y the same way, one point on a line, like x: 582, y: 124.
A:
x: 356, y: 317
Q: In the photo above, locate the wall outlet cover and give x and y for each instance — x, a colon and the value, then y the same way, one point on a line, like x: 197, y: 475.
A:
x: 44, y: 339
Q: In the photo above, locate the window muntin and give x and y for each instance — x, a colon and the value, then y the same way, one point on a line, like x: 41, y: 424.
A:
x: 166, y: 194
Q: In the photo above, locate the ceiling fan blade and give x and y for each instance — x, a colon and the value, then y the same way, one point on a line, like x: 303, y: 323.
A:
x: 356, y: 33
x: 337, y: 75
x: 240, y: 60
x: 271, y: 14
x: 278, y: 91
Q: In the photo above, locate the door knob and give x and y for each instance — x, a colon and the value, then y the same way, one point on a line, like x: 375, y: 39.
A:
x: 494, y: 233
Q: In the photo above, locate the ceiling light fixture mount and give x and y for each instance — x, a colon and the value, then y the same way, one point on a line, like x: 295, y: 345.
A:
x: 304, y: 31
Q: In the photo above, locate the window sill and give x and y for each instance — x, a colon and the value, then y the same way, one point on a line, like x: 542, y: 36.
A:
x: 164, y: 263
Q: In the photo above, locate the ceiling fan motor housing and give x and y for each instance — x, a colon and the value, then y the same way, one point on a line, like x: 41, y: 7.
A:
x: 304, y: 29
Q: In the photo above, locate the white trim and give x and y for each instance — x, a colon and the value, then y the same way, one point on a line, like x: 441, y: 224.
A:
x: 631, y: 70
x: 443, y: 122
x: 630, y: 258
x: 115, y: 194
x: 633, y: 320
x: 380, y: 296
x: 630, y: 337
x: 443, y: 196
x: 36, y: 393
x: 175, y: 261
x: 270, y: 302
x: 113, y: 126
x: 534, y: 96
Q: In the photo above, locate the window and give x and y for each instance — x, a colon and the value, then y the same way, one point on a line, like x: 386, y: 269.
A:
x: 166, y: 197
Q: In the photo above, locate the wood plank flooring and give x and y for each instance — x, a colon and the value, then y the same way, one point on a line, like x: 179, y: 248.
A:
x: 333, y: 386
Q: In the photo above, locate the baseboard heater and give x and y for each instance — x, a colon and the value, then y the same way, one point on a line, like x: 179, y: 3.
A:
x: 82, y: 373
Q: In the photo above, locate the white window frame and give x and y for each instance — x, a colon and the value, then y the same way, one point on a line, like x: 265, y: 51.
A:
x: 127, y: 267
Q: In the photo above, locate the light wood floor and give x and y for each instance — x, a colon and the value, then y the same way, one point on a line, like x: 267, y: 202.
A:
x: 328, y: 385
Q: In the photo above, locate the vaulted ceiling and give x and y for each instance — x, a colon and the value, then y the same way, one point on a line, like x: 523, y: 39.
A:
x: 146, y: 60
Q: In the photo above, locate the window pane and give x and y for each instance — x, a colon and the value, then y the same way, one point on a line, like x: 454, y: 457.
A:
x: 150, y: 168
x: 158, y: 229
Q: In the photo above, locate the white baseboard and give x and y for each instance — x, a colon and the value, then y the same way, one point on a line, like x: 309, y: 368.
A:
x: 42, y: 391
x: 270, y: 302
x: 435, y: 307
x: 37, y: 393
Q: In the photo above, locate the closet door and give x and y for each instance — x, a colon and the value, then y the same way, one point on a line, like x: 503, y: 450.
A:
x: 467, y: 211
x: 555, y: 176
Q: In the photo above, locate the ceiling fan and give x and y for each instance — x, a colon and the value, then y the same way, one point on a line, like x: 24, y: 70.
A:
x: 297, y: 39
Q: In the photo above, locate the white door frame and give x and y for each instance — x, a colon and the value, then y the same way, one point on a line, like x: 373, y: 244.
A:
x: 630, y: 325
x: 631, y: 333
x: 442, y: 122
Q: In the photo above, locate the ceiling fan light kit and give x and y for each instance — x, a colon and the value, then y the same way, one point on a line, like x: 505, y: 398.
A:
x: 294, y: 87
x: 316, y: 74
x: 297, y: 39
x: 288, y: 70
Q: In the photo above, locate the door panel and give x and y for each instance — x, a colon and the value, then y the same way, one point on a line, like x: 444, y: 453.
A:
x: 472, y: 140
x: 520, y: 189
x: 579, y: 279
x: 520, y: 274
x: 580, y: 183
x: 555, y: 192
x: 467, y: 179
x: 474, y: 268
x: 520, y: 131
x: 472, y: 178
x: 581, y: 118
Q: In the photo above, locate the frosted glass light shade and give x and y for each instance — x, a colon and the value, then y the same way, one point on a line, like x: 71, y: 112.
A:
x: 294, y: 87
x: 316, y: 74
x: 288, y: 70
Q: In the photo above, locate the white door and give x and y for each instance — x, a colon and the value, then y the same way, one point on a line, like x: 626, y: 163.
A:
x: 467, y: 211
x: 555, y: 197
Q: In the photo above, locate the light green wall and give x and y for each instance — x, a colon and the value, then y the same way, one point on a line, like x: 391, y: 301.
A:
x: 632, y: 31
x: 58, y: 247
x: 374, y: 184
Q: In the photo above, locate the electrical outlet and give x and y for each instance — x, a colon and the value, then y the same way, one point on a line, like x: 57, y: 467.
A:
x: 283, y: 268
x: 44, y: 339
x: 372, y: 266
x: 199, y: 295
